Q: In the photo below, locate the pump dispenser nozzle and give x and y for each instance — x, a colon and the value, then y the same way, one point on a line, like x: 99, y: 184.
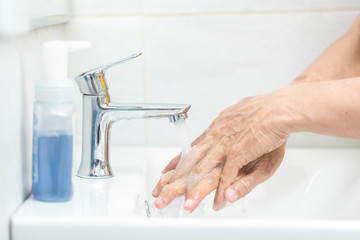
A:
x: 55, y: 57
x: 56, y: 87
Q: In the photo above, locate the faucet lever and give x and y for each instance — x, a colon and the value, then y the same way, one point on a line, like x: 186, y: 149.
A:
x: 121, y: 61
x: 93, y: 82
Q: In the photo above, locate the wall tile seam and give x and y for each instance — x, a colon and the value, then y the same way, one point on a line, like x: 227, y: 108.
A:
x: 144, y: 81
x: 63, y: 30
x: 285, y: 12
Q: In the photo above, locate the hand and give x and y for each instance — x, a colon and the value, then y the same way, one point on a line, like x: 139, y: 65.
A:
x: 255, y: 173
x: 249, y: 177
x: 233, y: 146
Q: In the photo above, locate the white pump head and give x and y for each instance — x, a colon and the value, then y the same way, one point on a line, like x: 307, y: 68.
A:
x: 56, y: 87
x: 55, y: 57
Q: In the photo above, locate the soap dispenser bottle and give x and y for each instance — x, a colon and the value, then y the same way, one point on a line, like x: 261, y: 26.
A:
x: 54, y: 125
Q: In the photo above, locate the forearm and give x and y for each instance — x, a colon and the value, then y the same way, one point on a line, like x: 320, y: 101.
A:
x: 340, y: 60
x: 327, y: 107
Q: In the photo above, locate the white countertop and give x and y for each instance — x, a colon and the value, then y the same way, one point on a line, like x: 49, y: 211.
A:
x: 110, y: 208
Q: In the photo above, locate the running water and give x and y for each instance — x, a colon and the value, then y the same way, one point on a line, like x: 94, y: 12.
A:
x: 183, y: 136
x: 175, y: 208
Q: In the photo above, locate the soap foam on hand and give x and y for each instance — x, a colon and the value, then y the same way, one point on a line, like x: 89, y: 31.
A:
x: 175, y: 208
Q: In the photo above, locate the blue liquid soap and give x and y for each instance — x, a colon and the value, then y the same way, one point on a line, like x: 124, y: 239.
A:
x: 52, y: 168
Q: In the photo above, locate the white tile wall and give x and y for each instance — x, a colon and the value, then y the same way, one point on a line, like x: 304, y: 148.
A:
x: 20, y: 69
x: 11, y: 131
x: 112, y: 38
x: 214, y: 61
x: 226, y: 6
x: 105, y: 8
x: 206, y: 53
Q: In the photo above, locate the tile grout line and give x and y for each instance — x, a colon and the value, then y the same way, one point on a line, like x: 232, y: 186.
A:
x: 204, y: 14
x: 144, y: 79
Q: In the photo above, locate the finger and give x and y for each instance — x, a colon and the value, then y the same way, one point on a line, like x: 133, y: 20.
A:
x: 240, y: 154
x: 172, y: 164
x: 164, y: 179
x: 243, y: 186
x: 249, y: 167
x: 170, y: 192
x: 228, y: 176
x: 255, y: 173
x: 188, y: 161
x: 207, y: 184
x: 215, y: 157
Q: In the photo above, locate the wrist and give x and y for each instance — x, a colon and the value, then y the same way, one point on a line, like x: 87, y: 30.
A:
x: 289, y: 117
x: 355, y: 29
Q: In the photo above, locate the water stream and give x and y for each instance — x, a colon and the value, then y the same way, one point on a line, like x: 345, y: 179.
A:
x: 175, y: 208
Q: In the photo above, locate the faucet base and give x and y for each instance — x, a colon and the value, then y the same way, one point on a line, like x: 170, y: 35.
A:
x: 97, y: 169
x: 95, y: 177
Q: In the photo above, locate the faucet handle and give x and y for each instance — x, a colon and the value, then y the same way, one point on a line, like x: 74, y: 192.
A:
x: 113, y: 64
x: 93, y: 82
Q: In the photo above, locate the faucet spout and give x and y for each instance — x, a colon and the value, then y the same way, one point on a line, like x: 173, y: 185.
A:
x: 98, y: 116
x: 99, y: 113
x: 146, y: 110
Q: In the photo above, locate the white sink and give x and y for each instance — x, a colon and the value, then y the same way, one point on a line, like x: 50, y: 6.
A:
x: 315, y: 194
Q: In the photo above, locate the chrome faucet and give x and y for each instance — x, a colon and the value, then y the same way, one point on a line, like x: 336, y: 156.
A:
x: 99, y: 113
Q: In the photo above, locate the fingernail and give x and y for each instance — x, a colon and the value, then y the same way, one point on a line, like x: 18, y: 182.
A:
x: 159, y: 202
x: 189, y: 203
x: 232, y: 194
x: 155, y: 192
x: 218, y: 207
x: 163, y: 171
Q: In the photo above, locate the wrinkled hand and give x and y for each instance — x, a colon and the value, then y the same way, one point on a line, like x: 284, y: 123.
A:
x: 242, y: 148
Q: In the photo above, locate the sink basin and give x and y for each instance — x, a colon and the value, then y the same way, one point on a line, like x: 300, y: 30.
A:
x: 315, y: 194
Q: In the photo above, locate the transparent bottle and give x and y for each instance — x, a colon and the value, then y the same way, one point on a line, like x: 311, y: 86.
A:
x: 53, y: 128
x: 53, y: 151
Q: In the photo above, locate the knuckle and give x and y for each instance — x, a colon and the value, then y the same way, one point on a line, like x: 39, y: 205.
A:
x: 163, y: 180
x: 168, y: 190
x: 196, y: 170
x: 222, y: 179
x: 239, y: 159
x: 165, y: 189
x: 224, y: 141
x: 212, y: 180
x: 166, y: 177
x: 233, y: 153
x: 217, y: 130
x: 239, y: 163
x: 244, y: 186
